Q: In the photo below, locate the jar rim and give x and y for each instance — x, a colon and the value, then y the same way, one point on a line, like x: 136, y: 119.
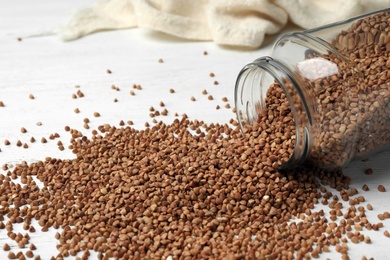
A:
x: 247, y: 111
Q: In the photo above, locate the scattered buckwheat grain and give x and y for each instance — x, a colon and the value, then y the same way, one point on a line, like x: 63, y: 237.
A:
x: 369, y: 171
x: 6, y: 247
x: 29, y: 254
x: 80, y: 94
x: 11, y: 255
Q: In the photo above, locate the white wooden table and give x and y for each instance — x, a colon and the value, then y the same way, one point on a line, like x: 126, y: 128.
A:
x: 49, y: 69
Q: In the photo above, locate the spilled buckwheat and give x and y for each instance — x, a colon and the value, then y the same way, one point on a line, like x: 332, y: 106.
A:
x: 165, y: 191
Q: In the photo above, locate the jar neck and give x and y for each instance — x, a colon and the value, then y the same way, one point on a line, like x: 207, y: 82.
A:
x: 250, y: 91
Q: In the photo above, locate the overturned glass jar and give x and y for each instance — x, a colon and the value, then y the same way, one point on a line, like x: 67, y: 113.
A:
x: 337, y: 81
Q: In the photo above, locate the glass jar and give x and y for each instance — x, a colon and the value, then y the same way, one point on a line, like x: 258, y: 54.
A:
x: 337, y: 81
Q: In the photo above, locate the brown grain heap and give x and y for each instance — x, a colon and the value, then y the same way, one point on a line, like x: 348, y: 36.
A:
x: 162, y: 191
x: 188, y: 189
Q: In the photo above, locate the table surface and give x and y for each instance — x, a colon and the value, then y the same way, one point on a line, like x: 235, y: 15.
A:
x: 50, y: 70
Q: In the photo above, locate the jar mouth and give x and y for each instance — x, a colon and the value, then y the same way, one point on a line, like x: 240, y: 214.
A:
x: 251, y: 88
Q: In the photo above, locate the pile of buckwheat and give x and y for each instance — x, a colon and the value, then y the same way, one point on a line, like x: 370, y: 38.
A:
x: 185, y: 190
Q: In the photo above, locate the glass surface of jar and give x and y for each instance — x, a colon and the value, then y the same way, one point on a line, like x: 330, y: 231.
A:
x: 337, y: 81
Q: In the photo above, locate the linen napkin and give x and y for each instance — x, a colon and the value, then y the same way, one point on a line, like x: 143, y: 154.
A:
x: 226, y: 22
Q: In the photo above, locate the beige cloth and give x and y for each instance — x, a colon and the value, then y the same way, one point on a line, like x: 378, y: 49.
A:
x: 226, y: 22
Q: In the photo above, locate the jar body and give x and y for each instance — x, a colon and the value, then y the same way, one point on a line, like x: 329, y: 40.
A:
x: 337, y: 81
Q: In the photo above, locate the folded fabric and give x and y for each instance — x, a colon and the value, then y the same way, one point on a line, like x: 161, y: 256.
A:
x: 226, y: 22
